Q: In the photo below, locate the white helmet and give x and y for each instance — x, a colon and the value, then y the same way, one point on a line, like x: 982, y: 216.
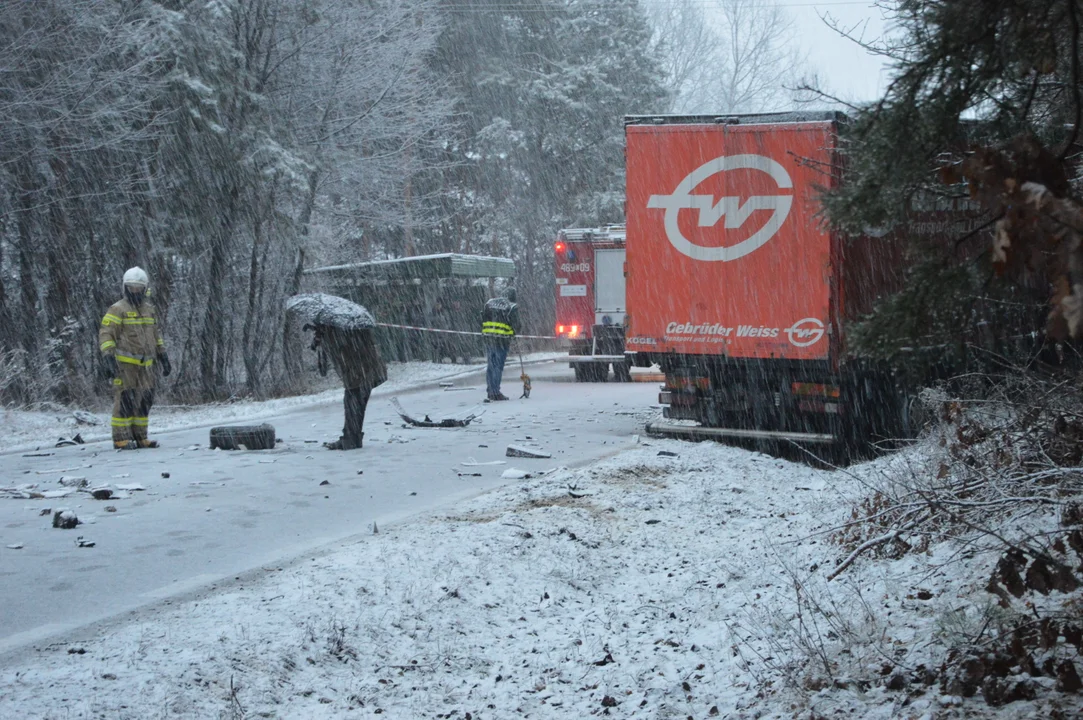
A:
x: 136, y: 276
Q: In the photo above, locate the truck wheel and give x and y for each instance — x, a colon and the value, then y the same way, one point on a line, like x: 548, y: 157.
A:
x: 251, y: 437
x: 600, y: 371
x: 581, y: 374
x: 622, y: 372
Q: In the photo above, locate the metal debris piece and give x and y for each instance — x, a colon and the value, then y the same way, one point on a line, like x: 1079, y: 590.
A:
x: 427, y: 422
x: 525, y: 451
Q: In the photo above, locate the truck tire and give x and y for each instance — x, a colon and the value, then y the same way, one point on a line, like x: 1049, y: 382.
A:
x: 250, y: 437
x: 581, y: 374
x: 622, y: 372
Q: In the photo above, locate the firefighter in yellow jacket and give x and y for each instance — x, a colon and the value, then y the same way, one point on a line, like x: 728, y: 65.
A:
x: 131, y: 345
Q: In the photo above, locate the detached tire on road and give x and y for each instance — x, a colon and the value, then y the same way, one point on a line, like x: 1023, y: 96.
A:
x: 250, y: 437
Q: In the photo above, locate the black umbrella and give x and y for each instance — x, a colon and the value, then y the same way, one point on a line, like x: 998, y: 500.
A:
x: 324, y: 309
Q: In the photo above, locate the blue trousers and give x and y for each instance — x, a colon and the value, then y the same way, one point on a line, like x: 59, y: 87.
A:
x: 496, y: 354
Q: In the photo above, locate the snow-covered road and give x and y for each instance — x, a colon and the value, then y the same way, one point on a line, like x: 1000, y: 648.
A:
x: 208, y: 515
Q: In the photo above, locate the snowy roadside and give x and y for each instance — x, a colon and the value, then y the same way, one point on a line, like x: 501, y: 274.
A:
x: 26, y: 429
x: 672, y: 580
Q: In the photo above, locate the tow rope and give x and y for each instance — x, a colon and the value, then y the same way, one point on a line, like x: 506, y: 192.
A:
x: 524, y: 377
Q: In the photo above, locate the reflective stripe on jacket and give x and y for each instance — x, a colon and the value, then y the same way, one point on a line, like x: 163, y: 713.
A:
x: 131, y: 334
x: 500, y: 319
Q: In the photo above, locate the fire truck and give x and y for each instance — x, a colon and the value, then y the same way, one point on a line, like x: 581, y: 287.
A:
x: 590, y: 302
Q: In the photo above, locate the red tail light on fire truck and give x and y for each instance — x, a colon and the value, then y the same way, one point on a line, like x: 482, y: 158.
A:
x: 570, y: 331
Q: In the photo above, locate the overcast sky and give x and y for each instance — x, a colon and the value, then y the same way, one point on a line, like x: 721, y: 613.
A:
x: 845, y: 69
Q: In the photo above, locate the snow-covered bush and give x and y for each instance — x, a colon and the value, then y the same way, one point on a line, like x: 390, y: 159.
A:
x: 993, y: 501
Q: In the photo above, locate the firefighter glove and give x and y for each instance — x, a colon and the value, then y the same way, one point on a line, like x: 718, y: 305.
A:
x: 109, y: 369
x: 166, y: 366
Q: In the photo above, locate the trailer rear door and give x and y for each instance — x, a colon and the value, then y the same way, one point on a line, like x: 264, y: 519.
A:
x: 609, y: 284
x: 727, y: 250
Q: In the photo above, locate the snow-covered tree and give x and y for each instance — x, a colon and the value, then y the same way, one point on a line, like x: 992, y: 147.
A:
x: 542, y: 91
x: 1001, y: 79
x: 733, y: 56
x: 202, y: 140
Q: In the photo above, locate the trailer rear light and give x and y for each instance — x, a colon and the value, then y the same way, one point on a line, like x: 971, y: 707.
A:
x: 687, y: 384
x: 817, y: 389
x: 559, y: 247
x: 818, y: 406
x: 574, y: 332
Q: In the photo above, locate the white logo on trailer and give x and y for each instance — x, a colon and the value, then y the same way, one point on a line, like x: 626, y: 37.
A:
x: 736, y: 214
x: 806, y: 332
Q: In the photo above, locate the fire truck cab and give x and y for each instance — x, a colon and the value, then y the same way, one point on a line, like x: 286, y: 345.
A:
x: 590, y: 301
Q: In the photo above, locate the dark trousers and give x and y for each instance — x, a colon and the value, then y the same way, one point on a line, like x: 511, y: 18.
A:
x: 496, y: 354
x: 354, y: 401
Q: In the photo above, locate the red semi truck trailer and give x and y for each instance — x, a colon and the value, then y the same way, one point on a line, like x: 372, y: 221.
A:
x: 590, y: 301
x: 741, y: 293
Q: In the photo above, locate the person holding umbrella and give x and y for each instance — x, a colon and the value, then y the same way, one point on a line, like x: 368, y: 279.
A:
x: 343, y: 338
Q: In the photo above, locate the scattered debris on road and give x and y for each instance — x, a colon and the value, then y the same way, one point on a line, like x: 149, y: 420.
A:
x: 84, y: 418
x: 515, y: 474
x: 73, y: 481
x: 54, y: 471
x: 65, y: 519
x: 429, y: 423
x: 524, y: 451
x: 101, y: 493
x: 20, y: 492
x: 83, y: 542
x: 15, y: 546
x: 52, y: 494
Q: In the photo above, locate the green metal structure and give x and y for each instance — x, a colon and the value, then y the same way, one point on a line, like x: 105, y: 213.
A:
x: 445, y: 291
